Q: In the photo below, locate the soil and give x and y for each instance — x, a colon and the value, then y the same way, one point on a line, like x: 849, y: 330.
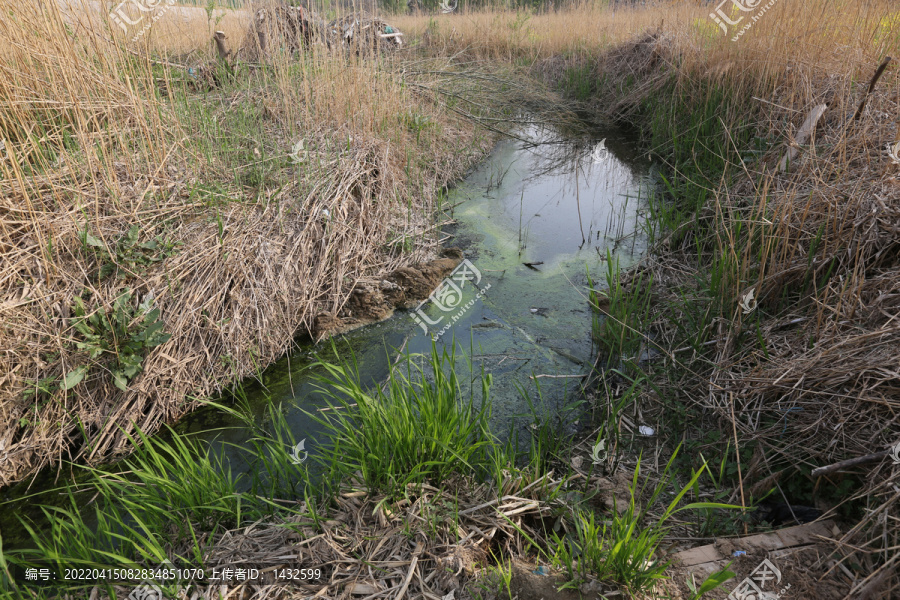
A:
x: 374, y: 302
x: 805, y: 572
x: 528, y: 584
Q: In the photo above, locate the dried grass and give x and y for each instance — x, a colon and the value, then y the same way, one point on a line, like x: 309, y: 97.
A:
x: 810, y: 376
x: 94, y: 138
x: 428, y: 545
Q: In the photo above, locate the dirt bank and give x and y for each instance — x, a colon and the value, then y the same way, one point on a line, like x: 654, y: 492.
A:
x: 371, y: 302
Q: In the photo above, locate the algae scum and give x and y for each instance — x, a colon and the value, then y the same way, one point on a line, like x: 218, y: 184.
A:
x: 533, y: 218
x: 558, y: 205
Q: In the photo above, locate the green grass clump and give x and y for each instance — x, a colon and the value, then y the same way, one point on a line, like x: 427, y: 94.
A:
x: 420, y: 427
x: 166, y: 501
x: 620, y: 315
x: 579, y: 82
x: 623, y: 549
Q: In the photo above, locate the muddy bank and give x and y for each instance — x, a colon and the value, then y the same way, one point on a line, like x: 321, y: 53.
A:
x: 373, y: 302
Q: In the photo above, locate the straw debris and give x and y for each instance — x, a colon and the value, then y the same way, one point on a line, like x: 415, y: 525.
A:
x: 431, y: 544
x: 118, y: 183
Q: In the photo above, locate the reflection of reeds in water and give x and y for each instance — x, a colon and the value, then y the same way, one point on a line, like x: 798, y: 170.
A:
x: 622, y: 226
x: 578, y: 205
x: 522, y: 242
x: 572, y: 162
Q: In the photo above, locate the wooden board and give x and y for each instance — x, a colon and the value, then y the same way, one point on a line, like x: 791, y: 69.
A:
x: 799, y: 535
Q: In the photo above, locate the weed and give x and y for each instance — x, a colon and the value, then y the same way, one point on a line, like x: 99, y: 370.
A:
x: 578, y: 82
x: 714, y: 581
x: 547, y: 447
x: 623, y: 548
x: 415, y: 122
x: 274, y: 473
x: 495, y: 582
x: 164, y: 495
x: 124, y: 334
x: 621, y: 331
x: 41, y: 389
x: 420, y: 427
x: 128, y: 256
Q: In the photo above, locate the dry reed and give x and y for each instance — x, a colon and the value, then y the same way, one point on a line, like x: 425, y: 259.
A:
x: 805, y: 368
x: 99, y: 138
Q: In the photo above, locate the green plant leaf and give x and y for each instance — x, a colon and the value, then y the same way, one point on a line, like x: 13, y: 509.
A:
x: 159, y: 340
x: 92, y: 241
x: 152, y: 329
x: 106, y: 270
x: 82, y: 327
x: 131, y: 237
x: 119, y: 380
x: 131, y: 366
x: 714, y: 581
x: 73, y: 377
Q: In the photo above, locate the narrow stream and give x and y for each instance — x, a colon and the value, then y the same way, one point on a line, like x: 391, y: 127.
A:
x: 532, y: 219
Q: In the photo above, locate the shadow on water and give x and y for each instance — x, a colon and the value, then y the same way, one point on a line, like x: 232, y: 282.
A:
x: 532, y: 219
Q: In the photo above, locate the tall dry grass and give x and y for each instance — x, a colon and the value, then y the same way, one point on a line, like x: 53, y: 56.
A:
x: 586, y: 27
x: 123, y: 172
x: 834, y: 36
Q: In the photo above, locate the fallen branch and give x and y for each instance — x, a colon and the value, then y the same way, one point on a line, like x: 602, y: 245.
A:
x: 850, y: 462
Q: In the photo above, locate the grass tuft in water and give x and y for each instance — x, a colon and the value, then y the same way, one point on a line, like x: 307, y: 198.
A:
x: 421, y: 426
x: 620, y: 315
x: 168, y: 495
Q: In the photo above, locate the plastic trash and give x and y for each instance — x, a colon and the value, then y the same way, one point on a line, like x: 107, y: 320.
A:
x: 542, y: 571
x: 740, y: 553
x: 645, y: 430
